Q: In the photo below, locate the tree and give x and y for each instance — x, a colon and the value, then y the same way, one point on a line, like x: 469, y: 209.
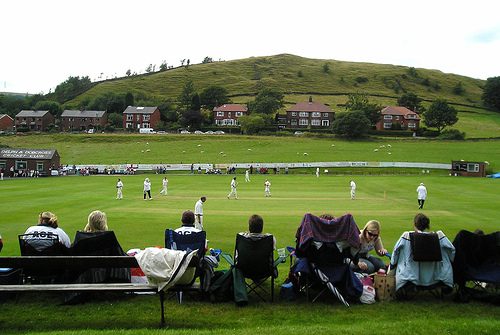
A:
x: 207, y: 60
x: 70, y: 88
x: 267, y: 101
x: 440, y: 115
x: 410, y: 101
x: 351, y: 124
x: 491, y: 93
x: 214, y: 96
x: 149, y: 68
x: 360, y: 102
x: 128, y: 73
x: 326, y: 68
x: 52, y: 106
x: 129, y: 99
x: 458, y: 89
x: 186, y: 97
x: 115, y: 120
x: 191, y: 119
x: 251, y: 124
x: 163, y: 66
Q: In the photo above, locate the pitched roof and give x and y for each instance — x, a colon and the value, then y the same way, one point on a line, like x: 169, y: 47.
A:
x: 77, y: 113
x: 398, y: 110
x: 31, y: 113
x: 5, y: 115
x: 231, y: 108
x: 310, y: 107
x: 28, y: 153
x: 139, y: 110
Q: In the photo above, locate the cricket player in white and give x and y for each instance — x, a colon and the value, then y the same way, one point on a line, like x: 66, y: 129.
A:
x: 198, y: 213
x: 421, y: 195
x: 247, y: 175
x: 233, y: 192
x: 267, y: 188
x: 317, y: 172
x: 164, y: 186
x: 119, y: 188
x: 353, y: 189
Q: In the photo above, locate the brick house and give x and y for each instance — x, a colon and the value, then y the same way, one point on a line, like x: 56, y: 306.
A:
x: 75, y: 120
x: 140, y: 117
x: 309, y: 114
x: 34, y: 120
x: 228, y: 114
x: 6, y: 122
x: 398, y: 117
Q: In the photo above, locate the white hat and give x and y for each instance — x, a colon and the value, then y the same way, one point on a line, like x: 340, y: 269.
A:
x: 422, y: 184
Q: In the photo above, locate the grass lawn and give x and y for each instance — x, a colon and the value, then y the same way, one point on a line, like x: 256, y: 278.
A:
x: 453, y: 204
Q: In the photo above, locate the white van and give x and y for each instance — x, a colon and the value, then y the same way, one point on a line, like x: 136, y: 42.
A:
x: 146, y: 131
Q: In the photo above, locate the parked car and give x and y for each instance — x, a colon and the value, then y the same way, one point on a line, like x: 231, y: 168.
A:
x: 298, y: 133
x: 161, y: 132
x: 198, y: 132
x: 209, y: 132
x: 185, y: 132
x: 219, y: 132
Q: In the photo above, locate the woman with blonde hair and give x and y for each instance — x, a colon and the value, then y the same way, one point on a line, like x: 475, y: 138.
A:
x: 370, y: 240
x: 45, y: 230
x: 97, y: 221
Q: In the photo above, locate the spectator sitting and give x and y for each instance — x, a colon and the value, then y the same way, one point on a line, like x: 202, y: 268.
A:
x: 188, y: 227
x: 370, y: 240
x: 43, y: 233
x: 1, y: 243
x: 255, y: 228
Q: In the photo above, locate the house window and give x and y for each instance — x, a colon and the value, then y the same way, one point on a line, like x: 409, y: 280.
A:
x: 387, y: 117
x: 303, y: 122
x: 129, y: 125
x: 303, y: 114
x: 146, y: 118
x: 325, y: 114
x: 293, y: 122
x: 396, y: 117
x: 130, y: 117
x: 21, y: 165
x: 315, y: 122
x: 228, y: 114
x: 325, y: 123
x: 39, y: 166
x: 239, y: 113
x: 220, y: 113
x: 472, y: 167
x: 294, y: 113
x: 146, y: 125
x: 412, y: 125
x: 410, y: 116
x: 218, y: 122
x: 387, y: 125
x: 316, y: 114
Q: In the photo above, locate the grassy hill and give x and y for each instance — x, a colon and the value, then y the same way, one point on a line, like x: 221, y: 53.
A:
x: 298, y: 76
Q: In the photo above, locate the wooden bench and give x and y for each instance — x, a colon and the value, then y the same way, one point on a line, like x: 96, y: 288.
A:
x: 58, y: 263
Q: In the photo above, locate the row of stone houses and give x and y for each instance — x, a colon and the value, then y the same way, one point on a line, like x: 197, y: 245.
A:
x: 304, y: 115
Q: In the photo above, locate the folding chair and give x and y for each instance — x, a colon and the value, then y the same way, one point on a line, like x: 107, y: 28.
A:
x: 187, y: 242
x: 254, y: 259
x: 423, y: 263
x: 35, y: 245
x: 102, y: 243
x: 477, y: 261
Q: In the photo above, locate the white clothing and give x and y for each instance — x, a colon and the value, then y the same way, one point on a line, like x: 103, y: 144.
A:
x: 119, y: 188
x: 164, y: 186
x: 267, y: 188
x: 42, y: 236
x: 147, y: 185
x: 317, y: 172
x: 233, y: 192
x: 198, y: 214
x: 353, y: 189
x: 186, y: 230
x: 422, y: 192
x: 247, y: 175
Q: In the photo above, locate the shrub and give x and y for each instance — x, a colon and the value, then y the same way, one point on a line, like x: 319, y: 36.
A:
x: 452, y: 134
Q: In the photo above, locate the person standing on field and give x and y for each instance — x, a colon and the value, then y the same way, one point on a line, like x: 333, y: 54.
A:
x: 198, y: 213
x: 119, y: 188
x: 234, y: 185
x: 164, y: 184
x: 147, y: 189
x: 421, y: 195
x: 317, y: 172
x: 353, y: 189
x: 267, y: 188
x: 247, y: 176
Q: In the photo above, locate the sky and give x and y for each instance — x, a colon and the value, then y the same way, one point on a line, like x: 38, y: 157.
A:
x: 43, y: 42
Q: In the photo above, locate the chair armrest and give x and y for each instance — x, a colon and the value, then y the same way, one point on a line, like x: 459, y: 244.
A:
x: 227, y: 257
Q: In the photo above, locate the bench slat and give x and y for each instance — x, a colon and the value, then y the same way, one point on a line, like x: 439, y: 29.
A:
x: 68, y: 262
x: 123, y: 287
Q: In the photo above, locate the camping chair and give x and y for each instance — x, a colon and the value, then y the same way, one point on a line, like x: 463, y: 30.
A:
x: 187, y: 242
x: 477, y: 260
x: 99, y: 244
x: 254, y: 259
x: 35, y: 245
x: 423, y: 263
x: 323, y: 257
